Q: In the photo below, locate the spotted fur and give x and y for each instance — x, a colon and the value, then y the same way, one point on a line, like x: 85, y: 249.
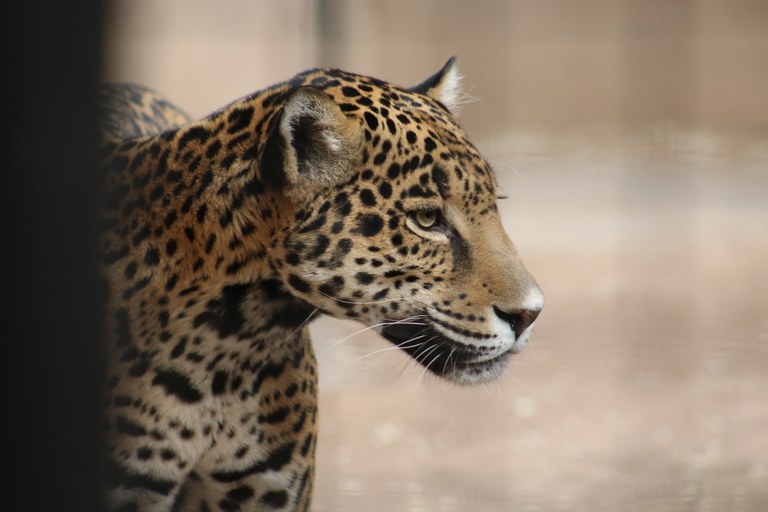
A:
x: 331, y: 193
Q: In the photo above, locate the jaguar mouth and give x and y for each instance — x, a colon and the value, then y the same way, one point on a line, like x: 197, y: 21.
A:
x: 446, y: 358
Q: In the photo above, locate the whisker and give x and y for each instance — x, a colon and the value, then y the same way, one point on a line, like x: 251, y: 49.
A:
x: 404, y: 321
x: 406, y: 363
x: 382, y: 301
x: 425, y: 349
x: 398, y: 346
x: 487, y: 391
x: 425, y: 354
x: 428, y: 365
x: 301, y: 325
x: 513, y: 379
x: 499, y: 388
x: 415, y: 357
x: 445, y: 365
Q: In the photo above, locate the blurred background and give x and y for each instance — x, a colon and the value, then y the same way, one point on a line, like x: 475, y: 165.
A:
x: 632, y: 140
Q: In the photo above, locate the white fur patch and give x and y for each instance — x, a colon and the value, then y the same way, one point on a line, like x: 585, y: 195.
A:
x: 332, y: 142
x: 450, y: 91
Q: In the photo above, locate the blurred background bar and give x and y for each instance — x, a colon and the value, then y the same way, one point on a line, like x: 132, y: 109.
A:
x: 591, y: 67
x: 632, y: 140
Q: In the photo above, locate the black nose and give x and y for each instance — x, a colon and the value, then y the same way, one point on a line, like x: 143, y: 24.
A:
x: 519, y: 319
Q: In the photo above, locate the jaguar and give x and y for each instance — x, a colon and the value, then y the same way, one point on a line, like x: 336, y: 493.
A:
x: 221, y: 238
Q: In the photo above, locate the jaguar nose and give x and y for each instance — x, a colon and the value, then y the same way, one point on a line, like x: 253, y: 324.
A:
x: 519, y: 319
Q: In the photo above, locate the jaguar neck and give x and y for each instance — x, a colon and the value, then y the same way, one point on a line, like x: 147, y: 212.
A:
x: 191, y: 203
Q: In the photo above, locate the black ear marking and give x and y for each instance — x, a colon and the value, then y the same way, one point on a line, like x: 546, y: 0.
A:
x: 444, y: 86
x: 434, y: 81
x: 272, y: 162
x: 305, y: 140
x: 309, y: 143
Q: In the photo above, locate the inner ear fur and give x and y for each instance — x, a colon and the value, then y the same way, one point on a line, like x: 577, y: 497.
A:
x: 444, y: 86
x: 312, y: 144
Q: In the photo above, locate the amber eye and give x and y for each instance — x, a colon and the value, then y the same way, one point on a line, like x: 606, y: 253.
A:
x: 426, y: 218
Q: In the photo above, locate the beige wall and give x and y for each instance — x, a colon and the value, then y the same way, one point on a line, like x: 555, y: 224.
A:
x: 552, y: 67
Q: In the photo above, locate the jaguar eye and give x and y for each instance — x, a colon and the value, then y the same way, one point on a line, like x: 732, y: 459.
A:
x: 426, y: 218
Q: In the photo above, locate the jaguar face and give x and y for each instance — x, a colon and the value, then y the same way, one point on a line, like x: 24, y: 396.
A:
x: 396, y: 225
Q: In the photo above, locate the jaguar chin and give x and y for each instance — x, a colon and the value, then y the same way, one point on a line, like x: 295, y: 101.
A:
x: 452, y: 360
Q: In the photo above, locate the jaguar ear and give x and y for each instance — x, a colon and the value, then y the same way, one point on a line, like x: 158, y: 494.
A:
x: 444, y: 86
x: 311, y: 142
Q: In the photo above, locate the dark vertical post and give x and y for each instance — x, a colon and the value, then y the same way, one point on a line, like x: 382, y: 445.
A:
x: 50, y: 328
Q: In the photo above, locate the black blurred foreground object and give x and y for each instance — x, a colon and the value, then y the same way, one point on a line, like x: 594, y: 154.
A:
x: 50, y: 352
